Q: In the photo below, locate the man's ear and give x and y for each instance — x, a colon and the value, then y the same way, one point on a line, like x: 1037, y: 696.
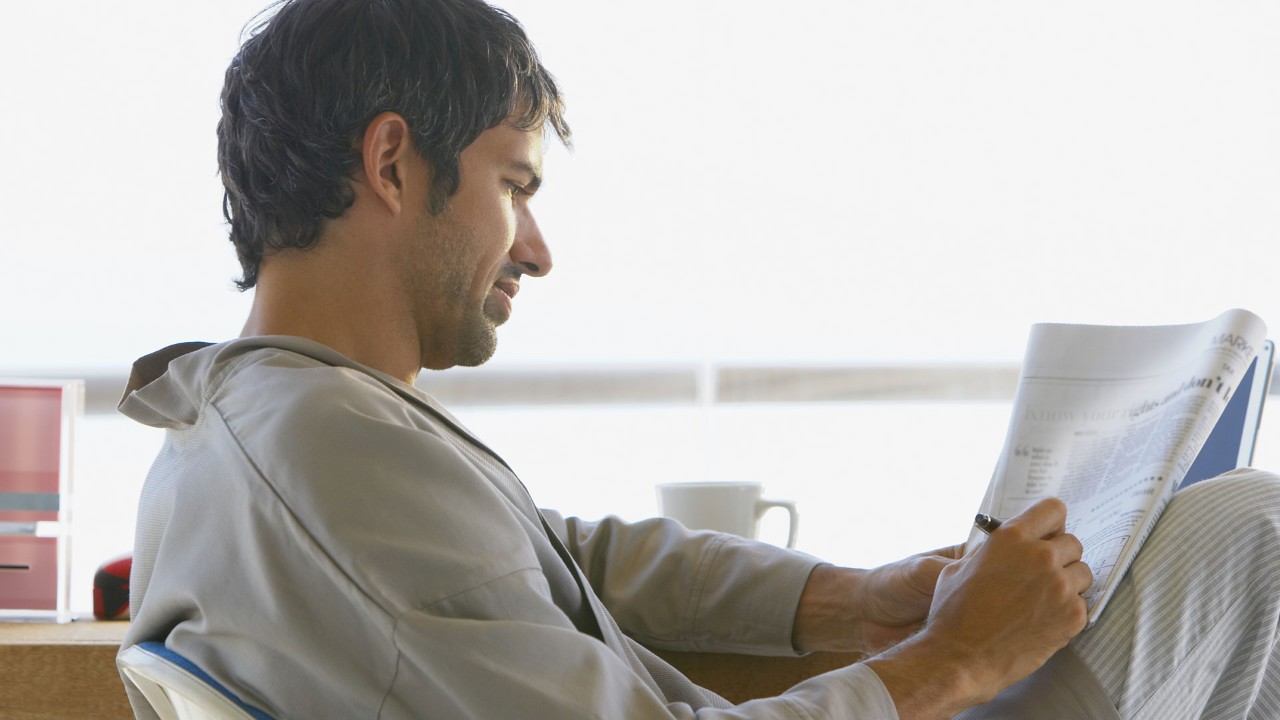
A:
x: 388, y: 154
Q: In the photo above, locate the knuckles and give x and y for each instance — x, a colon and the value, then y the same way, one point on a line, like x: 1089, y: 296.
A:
x: 1061, y: 585
x: 1043, y: 555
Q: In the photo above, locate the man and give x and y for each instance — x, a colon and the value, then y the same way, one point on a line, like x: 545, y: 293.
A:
x: 327, y: 541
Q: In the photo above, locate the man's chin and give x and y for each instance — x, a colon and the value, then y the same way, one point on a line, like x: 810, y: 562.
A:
x: 477, y: 347
x: 497, y: 309
x: 473, y: 360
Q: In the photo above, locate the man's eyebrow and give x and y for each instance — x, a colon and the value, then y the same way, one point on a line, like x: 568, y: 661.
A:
x: 534, y: 173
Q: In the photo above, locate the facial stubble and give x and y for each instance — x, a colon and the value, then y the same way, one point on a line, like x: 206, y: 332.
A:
x: 442, y: 277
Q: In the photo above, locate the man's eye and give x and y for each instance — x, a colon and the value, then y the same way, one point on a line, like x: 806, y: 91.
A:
x: 516, y: 190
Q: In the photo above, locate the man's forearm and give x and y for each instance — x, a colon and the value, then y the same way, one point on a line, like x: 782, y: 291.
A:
x: 825, y: 618
x: 926, y: 681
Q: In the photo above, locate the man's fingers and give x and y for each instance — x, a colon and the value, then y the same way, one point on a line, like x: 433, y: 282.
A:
x: 1045, y: 519
x: 1080, y: 575
x: 1067, y: 549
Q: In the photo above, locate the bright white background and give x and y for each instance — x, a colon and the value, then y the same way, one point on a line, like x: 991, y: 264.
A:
x: 807, y: 183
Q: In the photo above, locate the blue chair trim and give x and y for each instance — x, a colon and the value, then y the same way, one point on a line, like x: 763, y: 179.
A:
x: 158, y: 649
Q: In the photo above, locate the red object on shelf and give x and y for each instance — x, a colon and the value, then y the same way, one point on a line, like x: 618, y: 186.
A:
x: 111, y: 589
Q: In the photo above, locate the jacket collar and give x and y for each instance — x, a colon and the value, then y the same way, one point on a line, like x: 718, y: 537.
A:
x: 155, y: 373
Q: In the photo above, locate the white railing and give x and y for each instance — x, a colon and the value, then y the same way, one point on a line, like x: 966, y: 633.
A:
x: 679, y: 384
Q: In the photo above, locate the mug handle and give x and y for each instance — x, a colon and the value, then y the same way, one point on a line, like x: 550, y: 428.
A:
x: 762, y: 506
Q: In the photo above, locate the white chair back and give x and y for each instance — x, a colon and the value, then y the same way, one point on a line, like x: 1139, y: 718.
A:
x: 177, y: 689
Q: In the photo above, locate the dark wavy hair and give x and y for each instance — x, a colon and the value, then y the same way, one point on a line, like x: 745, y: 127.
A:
x: 313, y: 74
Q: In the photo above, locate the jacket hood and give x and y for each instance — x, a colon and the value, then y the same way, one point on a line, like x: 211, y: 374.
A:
x: 163, y: 392
x: 167, y: 388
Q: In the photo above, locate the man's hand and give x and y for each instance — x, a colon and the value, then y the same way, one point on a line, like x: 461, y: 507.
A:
x: 847, y: 610
x: 997, y: 616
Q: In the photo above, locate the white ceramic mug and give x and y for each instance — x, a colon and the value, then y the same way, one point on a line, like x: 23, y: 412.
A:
x: 731, y: 507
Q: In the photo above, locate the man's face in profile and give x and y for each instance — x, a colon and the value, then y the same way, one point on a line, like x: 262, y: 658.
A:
x: 464, y: 265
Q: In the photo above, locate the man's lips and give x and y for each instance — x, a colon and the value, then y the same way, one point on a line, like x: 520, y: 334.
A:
x: 508, y: 287
x: 498, y: 306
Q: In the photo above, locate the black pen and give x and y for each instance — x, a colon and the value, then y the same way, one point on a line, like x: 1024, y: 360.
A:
x: 986, y: 523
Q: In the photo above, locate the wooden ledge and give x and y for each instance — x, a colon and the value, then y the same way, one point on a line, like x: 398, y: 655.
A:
x: 739, y: 678
x: 56, y: 671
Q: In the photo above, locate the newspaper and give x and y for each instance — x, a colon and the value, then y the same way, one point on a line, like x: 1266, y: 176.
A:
x: 1109, y: 419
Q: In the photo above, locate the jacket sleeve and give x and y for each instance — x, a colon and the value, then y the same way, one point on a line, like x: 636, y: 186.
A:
x: 672, y: 588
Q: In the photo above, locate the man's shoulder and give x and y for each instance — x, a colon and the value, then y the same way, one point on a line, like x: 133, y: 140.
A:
x: 335, y: 442
x: 347, y: 452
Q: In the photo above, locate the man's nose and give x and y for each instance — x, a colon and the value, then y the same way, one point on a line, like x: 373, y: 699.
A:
x: 530, y: 249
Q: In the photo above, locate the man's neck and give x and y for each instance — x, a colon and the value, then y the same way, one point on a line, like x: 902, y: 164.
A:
x: 363, y: 322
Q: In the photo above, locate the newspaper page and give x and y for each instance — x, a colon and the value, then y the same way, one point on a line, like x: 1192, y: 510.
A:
x: 1109, y: 419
